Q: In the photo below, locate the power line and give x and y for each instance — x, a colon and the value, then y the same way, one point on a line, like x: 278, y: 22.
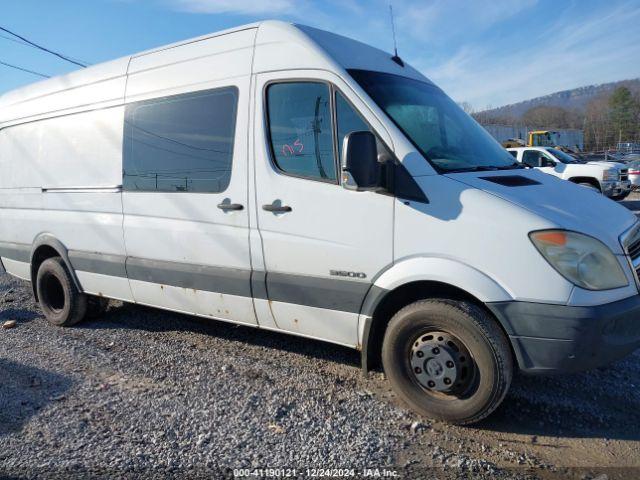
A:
x: 44, y: 49
x: 24, y: 69
x: 19, y: 42
x: 25, y: 44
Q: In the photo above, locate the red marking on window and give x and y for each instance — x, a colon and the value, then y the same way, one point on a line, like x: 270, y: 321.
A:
x: 297, y: 148
x: 287, y: 150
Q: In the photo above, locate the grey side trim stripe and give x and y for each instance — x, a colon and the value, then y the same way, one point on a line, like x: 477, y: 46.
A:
x: 102, y: 263
x: 258, y: 284
x: 200, y: 277
x: 328, y: 293
x: 19, y: 252
x: 332, y: 294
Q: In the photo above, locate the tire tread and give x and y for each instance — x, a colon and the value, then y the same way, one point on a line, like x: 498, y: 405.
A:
x: 490, y: 331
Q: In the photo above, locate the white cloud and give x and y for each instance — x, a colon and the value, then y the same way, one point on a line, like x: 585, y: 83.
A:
x: 572, y: 51
x: 440, y: 20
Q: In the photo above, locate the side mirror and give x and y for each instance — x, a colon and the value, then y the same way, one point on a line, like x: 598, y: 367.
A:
x: 360, y: 167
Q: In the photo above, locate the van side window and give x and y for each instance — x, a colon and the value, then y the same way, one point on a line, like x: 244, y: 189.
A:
x: 348, y: 121
x: 514, y: 153
x: 182, y: 143
x: 300, y: 129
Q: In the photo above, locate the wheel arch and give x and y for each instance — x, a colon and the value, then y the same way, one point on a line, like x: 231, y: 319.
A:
x: 46, y: 246
x: 415, y: 279
x: 592, y: 180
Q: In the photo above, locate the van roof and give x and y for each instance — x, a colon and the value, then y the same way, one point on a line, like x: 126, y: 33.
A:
x: 98, y: 72
x: 333, y: 49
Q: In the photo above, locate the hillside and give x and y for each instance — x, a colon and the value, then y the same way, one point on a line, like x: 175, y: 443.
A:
x: 575, y: 99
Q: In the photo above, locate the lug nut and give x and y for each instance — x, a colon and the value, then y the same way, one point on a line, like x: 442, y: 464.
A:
x: 447, y: 381
x: 449, y: 364
x: 436, y: 351
x: 431, y: 383
x: 418, y: 370
x: 420, y: 353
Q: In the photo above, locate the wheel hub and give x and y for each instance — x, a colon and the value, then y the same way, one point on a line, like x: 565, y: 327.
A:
x: 435, y: 361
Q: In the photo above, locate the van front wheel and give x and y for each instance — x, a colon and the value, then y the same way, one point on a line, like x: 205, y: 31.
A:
x: 61, y: 302
x: 447, y: 360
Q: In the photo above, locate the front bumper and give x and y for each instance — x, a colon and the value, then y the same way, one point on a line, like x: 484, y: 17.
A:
x: 623, y: 186
x: 558, y: 338
x: 615, y: 188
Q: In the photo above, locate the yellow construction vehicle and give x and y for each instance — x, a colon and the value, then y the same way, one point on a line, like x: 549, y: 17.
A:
x: 541, y: 138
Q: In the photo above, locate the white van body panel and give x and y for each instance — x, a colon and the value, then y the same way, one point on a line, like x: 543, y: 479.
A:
x: 191, y: 67
x: 61, y: 164
x: 329, y: 228
x: 445, y: 270
x: 17, y: 269
x: 68, y: 184
x: 493, y: 241
x: 72, y: 151
x: 454, y: 205
x: 563, y: 204
x: 188, y: 228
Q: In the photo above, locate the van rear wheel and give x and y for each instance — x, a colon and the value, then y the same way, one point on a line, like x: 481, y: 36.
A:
x: 447, y: 360
x: 61, y: 302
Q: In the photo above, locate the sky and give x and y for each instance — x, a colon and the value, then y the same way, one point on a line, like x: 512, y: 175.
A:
x: 485, y: 52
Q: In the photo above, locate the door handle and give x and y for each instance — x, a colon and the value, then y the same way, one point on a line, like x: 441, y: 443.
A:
x: 230, y: 206
x: 276, y: 208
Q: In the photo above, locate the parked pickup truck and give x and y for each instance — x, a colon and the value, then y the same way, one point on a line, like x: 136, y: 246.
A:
x: 609, y: 178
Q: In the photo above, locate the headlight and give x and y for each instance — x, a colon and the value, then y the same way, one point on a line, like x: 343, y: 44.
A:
x: 610, y: 175
x: 583, y: 260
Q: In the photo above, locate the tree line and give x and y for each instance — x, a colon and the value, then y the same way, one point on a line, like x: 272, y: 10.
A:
x: 606, y: 120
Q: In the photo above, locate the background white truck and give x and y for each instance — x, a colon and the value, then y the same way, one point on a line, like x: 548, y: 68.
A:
x: 612, y: 179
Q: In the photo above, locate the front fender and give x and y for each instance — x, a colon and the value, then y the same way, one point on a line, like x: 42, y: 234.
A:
x: 435, y: 269
x: 422, y: 269
x: 444, y: 270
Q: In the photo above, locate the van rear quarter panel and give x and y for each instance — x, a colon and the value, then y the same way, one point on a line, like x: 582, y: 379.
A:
x: 76, y: 150
x: 44, y: 164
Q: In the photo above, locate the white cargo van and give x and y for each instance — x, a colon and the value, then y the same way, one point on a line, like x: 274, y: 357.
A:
x: 286, y: 178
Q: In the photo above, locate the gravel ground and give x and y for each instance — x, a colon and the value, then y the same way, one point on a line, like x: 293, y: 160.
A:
x: 142, y: 392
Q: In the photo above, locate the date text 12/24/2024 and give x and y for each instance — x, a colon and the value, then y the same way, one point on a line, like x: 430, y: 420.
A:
x: 314, y: 473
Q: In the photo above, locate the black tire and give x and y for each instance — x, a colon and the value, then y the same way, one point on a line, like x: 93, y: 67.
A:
x: 618, y: 198
x: 61, y: 302
x: 474, y: 394
x: 96, y: 306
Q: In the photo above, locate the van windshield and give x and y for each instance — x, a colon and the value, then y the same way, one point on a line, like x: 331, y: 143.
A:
x: 450, y: 139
